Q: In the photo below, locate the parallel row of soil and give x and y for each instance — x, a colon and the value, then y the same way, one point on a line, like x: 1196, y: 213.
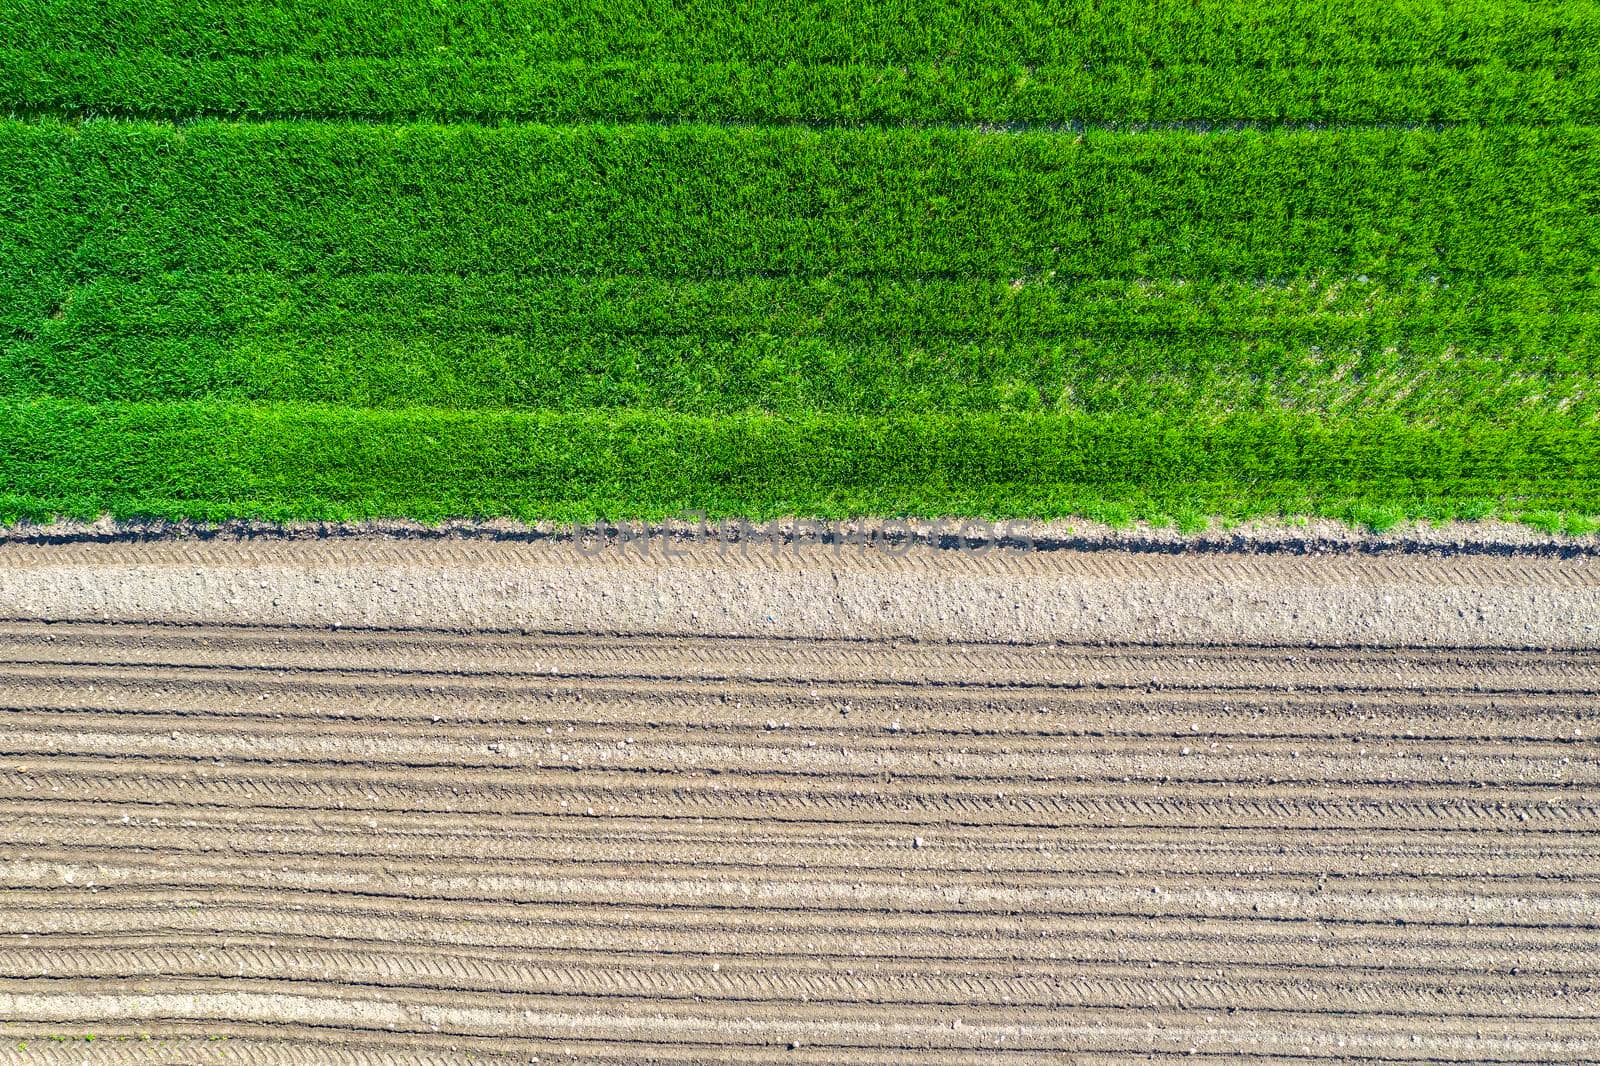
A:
x: 283, y: 843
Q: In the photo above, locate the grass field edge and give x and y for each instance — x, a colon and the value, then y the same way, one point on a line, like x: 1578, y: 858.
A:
x: 215, y: 461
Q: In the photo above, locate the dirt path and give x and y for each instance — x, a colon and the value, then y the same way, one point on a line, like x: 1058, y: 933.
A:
x: 848, y: 592
x: 525, y: 804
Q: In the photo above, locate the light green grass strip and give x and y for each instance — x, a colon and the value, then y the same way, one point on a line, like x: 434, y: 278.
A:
x: 1560, y: 310
x: 1499, y: 350
x: 217, y: 461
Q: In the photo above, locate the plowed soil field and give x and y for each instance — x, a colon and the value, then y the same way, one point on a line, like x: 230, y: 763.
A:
x: 374, y: 801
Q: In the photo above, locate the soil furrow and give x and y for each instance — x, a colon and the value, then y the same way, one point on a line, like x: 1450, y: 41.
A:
x: 374, y: 800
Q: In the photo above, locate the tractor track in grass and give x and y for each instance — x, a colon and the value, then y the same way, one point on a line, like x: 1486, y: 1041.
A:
x: 370, y: 800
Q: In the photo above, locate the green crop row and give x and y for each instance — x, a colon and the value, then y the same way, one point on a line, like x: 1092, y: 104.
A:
x: 1517, y: 316
x: 819, y: 61
x: 1494, y: 348
x: 208, y: 460
x: 135, y: 198
x: 1526, y: 33
x: 492, y: 88
x: 805, y: 375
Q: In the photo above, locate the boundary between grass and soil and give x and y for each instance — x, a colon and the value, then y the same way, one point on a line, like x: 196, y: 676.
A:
x: 676, y: 583
x: 1261, y: 536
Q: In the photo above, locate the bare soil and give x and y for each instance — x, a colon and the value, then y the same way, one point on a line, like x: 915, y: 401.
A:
x: 388, y: 800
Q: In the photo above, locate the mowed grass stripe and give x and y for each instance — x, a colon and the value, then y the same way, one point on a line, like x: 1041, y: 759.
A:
x: 811, y: 60
x: 42, y: 222
x: 521, y: 87
x: 800, y: 375
x: 1559, y: 309
x: 707, y: 201
x: 1529, y: 33
x: 1499, y: 348
x: 206, y: 460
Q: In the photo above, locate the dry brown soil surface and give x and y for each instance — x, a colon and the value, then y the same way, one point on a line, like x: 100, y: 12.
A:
x: 377, y: 801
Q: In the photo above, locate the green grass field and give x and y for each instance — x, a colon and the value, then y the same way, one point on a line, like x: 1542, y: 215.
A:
x: 566, y: 259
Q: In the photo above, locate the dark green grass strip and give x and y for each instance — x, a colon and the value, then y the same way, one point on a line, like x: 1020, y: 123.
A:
x: 1271, y: 32
x: 41, y: 224
x: 702, y: 201
x: 810, y: 60
x: 217, y: 461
